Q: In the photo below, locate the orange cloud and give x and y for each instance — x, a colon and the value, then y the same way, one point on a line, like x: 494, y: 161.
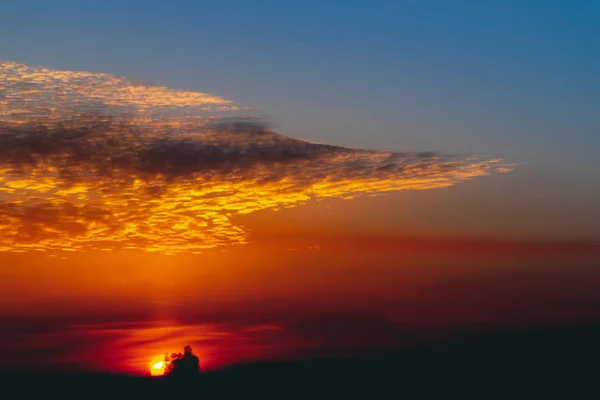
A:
x: 95, y: 161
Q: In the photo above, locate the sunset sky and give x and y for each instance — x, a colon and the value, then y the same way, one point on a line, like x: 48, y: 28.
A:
x: 278, y: 181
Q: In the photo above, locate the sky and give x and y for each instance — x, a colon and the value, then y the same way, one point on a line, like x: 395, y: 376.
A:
x: 338, y: 237
x: 495, y: 78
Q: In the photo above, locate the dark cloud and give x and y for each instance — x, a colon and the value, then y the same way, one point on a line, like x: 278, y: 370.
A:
x: 107, y: 149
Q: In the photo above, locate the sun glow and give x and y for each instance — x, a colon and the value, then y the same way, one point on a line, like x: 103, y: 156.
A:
x: 157, y: 368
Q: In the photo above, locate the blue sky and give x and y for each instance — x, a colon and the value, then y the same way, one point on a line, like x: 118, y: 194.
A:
x: 510, y: 79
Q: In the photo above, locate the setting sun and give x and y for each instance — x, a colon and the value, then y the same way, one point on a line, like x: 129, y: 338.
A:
x: 158, y: 368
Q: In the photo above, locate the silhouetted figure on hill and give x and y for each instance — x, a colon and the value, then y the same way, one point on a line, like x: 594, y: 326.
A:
x: 186, y: 366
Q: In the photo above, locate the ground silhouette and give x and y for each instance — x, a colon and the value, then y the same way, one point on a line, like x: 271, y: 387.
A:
x: 536, y: 364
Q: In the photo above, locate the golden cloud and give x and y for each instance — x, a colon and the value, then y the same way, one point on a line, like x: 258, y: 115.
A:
x: 96, y: 161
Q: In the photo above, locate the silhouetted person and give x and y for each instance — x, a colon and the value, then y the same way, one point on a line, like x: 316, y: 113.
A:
x: 188, y: 366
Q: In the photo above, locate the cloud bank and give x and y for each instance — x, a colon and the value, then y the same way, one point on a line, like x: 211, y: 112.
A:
x: 96, y: 161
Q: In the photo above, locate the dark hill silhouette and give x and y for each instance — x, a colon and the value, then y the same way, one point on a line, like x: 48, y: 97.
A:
x: 555, y: 361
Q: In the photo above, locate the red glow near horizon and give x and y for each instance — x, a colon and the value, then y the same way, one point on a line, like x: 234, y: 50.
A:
x: 139, y: 349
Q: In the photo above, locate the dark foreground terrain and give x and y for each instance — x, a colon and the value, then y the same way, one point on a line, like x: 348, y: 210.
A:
x: 562, y: 362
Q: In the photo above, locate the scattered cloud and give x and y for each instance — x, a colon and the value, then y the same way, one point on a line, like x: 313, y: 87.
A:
x: 96, y: 161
